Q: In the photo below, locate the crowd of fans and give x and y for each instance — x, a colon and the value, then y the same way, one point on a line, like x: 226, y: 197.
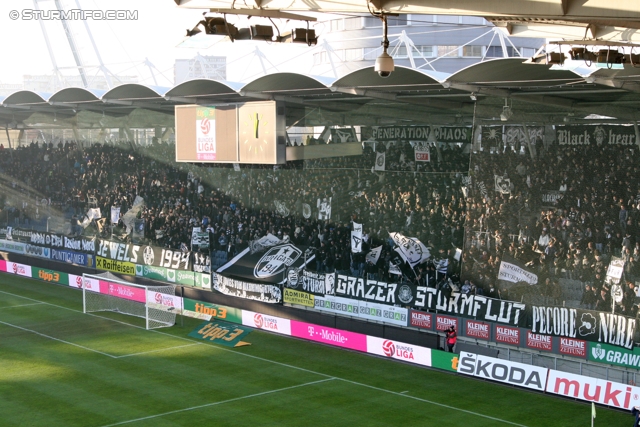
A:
x: 555, y: 214
x: 566, y: 214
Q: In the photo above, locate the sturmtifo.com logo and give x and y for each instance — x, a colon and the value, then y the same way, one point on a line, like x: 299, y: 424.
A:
x: 74, y: 15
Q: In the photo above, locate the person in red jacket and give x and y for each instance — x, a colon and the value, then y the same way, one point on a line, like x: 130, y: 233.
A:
x: 451, y: 337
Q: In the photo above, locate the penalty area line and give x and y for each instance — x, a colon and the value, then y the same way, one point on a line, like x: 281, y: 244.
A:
x: 21, y: 305
x: 160, y: 349
x: 206, y: 405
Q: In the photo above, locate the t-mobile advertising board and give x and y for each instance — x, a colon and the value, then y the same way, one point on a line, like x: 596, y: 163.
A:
x: 331, y: 336
x: 123, y: 291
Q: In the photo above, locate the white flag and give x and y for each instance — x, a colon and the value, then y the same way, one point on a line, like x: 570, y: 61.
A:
x: 374, y: 255
x: 356, y: 238
x: 115, y: 214
x: 324, y: 208
x: 412, y: 250
x: 394, y: 269
x: 502, y: 184
x: 263, y: 243
x: 380, y: 161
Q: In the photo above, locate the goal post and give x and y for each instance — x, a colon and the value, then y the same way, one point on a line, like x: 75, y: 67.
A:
x: 156, y: 304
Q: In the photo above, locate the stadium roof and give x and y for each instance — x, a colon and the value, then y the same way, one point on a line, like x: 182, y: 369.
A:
x: 613, y: 20
x: 536, y: 93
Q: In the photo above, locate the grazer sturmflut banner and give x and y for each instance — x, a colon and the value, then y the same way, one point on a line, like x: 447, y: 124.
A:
x: 512, y: 270
x: 268, y: 266
x: 595, y: 326
x: 143, y: 254
x: 475, y: 306
x: 375, y: 291
x: 241, y: 289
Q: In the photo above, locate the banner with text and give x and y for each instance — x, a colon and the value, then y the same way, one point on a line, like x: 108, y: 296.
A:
x: 255, y: 291
x: 594, y: 326
x: 362, y: 309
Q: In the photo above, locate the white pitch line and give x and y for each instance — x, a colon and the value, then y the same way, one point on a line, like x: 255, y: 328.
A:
x: 57, y: 339
x: 206, y: 405
x: 21, y: 305
x: 284, y: 364
x: 432, y: 402
x: 160, y: 349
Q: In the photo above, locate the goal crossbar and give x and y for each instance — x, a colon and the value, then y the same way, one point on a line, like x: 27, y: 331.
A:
x: 156, y: 304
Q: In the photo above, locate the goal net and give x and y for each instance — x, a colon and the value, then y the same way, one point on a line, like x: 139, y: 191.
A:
x: 106, y: 292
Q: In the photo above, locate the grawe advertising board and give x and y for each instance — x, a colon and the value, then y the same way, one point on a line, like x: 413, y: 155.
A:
x: 611, y: 355
x: 19, y: 269
x: 268, y: 323
x: 123, y: 291
x: 362, y: 309
x: 399, y: 350
x: 504, y: 371
x: 331, y: 336
x: 605, y: 392
x: 208, y: 311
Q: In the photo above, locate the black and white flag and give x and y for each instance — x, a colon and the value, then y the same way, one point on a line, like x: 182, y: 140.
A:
x: 324, y: 208
x: 263, y: 243
x: 502, y: 184
x: 412, y: 250
x: 281, y: 208
x: 356, y: 238
x: 306, y: 210
x: 374, y: 255
x: 380, y: 161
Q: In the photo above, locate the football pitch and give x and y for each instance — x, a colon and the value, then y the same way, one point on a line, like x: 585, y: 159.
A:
x: 60, y: 367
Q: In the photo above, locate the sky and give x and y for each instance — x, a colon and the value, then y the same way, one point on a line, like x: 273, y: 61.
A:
x: 123, y: 44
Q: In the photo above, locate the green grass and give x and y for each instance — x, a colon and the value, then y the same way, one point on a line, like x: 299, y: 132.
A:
x: 60, y: 367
